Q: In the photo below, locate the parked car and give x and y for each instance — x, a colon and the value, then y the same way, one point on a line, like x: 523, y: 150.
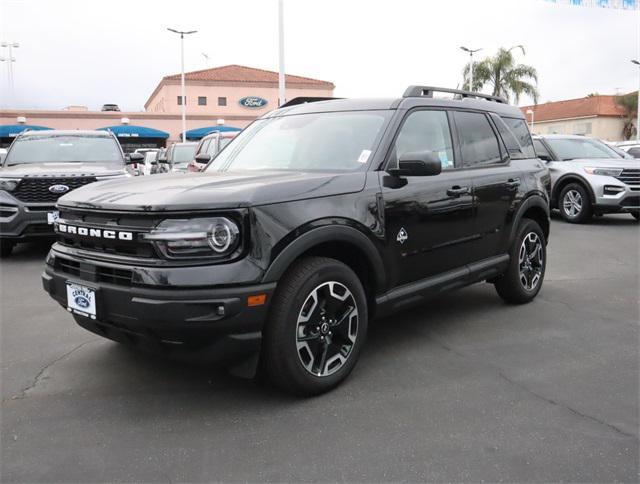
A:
x: 208, y: 148
x: 179, y: 155
x: 632, y: 148
x: 315, y: 219
x: 110, y: 107
x: 40, y: 166
x: 150, y: 158
x: 3, y: 154
x: 589, y: 177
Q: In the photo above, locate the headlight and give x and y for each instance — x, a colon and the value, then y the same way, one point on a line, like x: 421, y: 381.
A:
x: 196, y: 238
x: 603, y: 171
x: 8, y: 184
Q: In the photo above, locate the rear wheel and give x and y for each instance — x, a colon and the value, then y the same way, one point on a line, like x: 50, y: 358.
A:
x: 6, y: 247
x: 528, y: 259
x: 575, y: 205
x: 316, y: 328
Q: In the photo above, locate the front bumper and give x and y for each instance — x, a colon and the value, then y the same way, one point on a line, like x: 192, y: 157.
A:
x: 612, y: 196
x: 21, y: 221
x: 216, y: 320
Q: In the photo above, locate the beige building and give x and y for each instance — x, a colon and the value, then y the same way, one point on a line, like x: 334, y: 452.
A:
x: 235, y: 94
x: 596, y: 116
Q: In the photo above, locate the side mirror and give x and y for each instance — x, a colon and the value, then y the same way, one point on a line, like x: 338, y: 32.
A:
x: 417, y: 163
x: 545, y: 158
x: 203, y: 158
x: 135, y: 158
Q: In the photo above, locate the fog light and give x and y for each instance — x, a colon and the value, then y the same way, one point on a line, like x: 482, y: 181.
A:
x: 612, y: 190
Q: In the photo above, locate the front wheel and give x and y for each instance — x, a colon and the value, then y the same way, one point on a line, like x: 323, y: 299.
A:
x: 528, y: 259
x: 6, y: 247
x: 316, y: 327
x: 575, y: 205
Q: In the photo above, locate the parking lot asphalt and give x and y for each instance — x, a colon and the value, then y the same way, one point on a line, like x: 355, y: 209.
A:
x: 465, y: 388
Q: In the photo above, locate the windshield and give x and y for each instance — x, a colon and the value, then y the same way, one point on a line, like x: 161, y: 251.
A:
x: 572, y: 148
x: 183, y: 153
x: 309, y: 142
x: 61, y: 149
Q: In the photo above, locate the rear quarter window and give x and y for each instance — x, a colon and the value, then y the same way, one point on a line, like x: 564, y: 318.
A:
x: 521, y: 132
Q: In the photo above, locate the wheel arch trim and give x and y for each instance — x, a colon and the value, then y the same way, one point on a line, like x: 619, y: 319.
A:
x: 571, y: 178
x: 321, y: 235
x: 533, y: 201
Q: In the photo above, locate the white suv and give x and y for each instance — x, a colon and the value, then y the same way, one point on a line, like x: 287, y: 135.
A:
x: 588, y: 177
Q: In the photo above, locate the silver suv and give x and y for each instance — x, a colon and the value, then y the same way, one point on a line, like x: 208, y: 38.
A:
x: 40, y: 167
x: 588, y: 177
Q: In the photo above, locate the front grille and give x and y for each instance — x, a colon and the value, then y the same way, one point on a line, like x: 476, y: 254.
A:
x: 36, y: 190
x: 631, y: 177
x: 631, y: 202
x: 94, y: 273
x: 138, y: 224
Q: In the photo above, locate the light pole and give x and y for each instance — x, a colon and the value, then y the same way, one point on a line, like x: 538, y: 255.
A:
x: 10, y: 60
x: 182, y: 93
x: 638, y: 107
x: 471, y: 52
x: 281, y: 81
x: 532, y: 113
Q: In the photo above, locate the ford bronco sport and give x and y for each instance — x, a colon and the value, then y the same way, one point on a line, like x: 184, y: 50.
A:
x: 315, y: 219
x: 43, y: 165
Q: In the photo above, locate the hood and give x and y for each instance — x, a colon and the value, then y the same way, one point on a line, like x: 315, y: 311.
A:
x: 62, y: 169
x: 605, y: 162
x: 211, y: 190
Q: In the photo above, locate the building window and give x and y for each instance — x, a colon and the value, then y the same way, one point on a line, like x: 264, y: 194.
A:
x: 222, y: 101
x: 202, y: 100
x: 180, y: 100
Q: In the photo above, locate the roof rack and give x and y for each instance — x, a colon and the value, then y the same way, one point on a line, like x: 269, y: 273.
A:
x: 427, y: 91
x: 303, y: 100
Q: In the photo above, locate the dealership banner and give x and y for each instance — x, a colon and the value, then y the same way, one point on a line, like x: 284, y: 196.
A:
x: 621, y: 4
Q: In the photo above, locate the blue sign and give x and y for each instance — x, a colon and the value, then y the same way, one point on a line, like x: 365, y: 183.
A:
x: 253, y: 102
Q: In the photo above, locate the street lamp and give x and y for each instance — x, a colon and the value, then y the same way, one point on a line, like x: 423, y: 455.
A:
x: 638, y: 107
x: 471, y: 52
x: 10, y: 61
x: 182, y: 93
x: 532, y: 113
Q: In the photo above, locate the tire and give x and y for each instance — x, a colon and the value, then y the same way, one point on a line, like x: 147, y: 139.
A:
x: 575, y: 204
x: 294, y: 345
x: 523, y: 278
x: 6, y: 247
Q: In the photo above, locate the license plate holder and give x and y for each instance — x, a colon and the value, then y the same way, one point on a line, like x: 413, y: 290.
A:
x: 81, y: 300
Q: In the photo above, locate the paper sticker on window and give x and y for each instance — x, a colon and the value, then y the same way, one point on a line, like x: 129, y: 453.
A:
x: 444, y: 160
x: 364, y: 156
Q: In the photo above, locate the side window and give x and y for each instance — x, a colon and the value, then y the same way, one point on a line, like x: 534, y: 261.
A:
x: 513, y: 147
x: 478, y: 142
x: 212, y: 146
x: 520, y: 130
x: 425, y: 131
x: 203, y: 147
x: 541, y: 151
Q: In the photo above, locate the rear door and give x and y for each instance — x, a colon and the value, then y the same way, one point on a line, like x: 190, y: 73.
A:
x: 496, y: 181
x: 429, y: 220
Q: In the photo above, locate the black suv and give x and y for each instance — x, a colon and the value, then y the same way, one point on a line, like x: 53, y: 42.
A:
x: 315, y: 219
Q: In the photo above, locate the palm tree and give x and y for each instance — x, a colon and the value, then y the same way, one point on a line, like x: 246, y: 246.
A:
x: 629, y: 104
x: 505, y: 76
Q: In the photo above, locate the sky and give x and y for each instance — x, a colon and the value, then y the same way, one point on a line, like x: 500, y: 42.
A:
x: 93, y: 52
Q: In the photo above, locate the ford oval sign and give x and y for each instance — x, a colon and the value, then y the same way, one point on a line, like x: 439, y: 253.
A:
x: 58, y: 189
x: 253, y: 102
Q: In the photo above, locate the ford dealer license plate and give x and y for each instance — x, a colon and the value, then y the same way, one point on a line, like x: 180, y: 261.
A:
x: 81, y: 300
x: 52, y: 217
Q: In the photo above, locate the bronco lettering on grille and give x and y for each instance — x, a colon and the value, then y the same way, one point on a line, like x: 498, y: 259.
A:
x: 98, y: 233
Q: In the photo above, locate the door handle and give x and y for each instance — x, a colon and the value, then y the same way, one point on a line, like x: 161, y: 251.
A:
x: 456, y: 191
x: 513, y: 183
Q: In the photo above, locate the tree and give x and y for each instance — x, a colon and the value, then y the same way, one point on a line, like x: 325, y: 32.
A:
x: 506, y: 78
x: 629, y: 104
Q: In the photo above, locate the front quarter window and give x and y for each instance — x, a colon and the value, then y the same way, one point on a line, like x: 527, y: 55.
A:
x: 334, y: 141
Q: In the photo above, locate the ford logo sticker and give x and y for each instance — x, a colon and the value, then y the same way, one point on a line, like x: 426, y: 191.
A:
x: 253, y: 102
x: 58, y: 188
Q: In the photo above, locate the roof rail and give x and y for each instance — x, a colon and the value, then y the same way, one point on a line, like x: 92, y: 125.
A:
x: 303, y: 100
x: 427, y: 91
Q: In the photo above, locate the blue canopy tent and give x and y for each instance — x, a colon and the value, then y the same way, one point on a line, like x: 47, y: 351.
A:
x: 199, y: 133
x: 133, y: 137
x: 9, y: 131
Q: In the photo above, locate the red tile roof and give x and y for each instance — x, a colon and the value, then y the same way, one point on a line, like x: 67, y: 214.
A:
x: 235, y: 73
x: 598, y: 105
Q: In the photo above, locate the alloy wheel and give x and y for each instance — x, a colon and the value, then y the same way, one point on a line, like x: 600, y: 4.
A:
x: 572, y: 203
x: 327, y: 328
x: 531, y: 261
